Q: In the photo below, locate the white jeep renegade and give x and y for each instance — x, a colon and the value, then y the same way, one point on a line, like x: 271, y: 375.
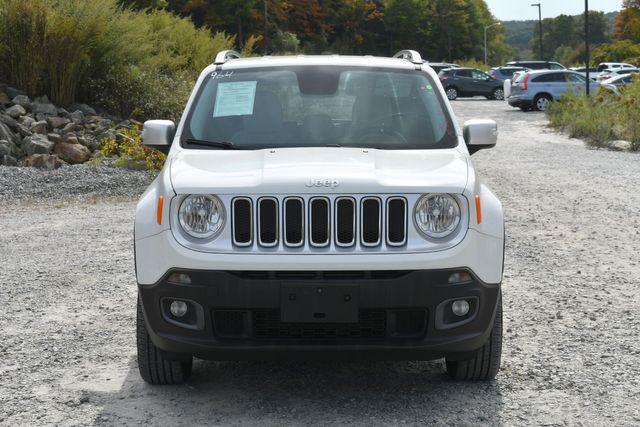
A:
x: 318, y: 206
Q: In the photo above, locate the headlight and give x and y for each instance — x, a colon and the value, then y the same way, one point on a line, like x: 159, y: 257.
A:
x: 437, y: 215
x: 201, y: 216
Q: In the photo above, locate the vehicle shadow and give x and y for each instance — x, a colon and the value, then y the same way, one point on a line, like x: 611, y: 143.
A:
x: 311, y: 392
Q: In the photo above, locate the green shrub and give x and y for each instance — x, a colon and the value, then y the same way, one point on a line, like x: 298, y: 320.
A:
x: 22, y: 41
x: 140, y: 64
x: 601, y: 118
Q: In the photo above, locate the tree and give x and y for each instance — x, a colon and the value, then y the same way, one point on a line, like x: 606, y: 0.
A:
x: 627, y: 25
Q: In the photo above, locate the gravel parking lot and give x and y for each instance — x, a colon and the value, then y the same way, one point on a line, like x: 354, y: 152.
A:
x: 571, y: 299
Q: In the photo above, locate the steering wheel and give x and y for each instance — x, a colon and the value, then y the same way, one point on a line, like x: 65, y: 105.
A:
x: 374, y: 132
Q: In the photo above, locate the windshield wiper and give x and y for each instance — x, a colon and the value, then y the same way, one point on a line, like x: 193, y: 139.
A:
x: 225, y: 145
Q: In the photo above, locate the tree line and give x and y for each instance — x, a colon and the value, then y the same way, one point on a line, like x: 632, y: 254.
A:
x: 439, y: 29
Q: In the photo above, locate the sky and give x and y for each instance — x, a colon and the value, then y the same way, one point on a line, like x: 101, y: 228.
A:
x: 506, y: 10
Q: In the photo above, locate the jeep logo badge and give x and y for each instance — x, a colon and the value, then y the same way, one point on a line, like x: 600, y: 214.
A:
x: 329, y: 183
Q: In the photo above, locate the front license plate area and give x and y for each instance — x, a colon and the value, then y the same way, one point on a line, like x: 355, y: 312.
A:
x: 309, y: 303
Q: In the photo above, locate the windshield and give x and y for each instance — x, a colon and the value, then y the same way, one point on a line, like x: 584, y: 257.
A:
x: 319, y: 106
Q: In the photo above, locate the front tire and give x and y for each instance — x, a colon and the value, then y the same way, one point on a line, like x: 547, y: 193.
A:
x: 452, y: 93
x: 154, y: 367
x: 485, y: 364
x: 498, y: 94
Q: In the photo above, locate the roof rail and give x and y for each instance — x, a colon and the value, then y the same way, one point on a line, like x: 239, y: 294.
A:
x: 225, y: 55
x: 411, y: 55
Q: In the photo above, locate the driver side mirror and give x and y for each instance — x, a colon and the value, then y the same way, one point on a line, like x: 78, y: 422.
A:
x: 158, y: 134
x: 480, y: 134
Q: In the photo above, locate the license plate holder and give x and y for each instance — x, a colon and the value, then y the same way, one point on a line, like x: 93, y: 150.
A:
x: 319, y: 303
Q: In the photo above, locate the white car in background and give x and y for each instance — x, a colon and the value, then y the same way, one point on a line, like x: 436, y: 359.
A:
x: 608, y: 74
x: 614, y: 66
x: 616, y: 83
x: 319, y: 206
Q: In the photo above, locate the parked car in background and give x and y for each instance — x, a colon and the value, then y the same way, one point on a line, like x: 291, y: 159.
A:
x: 504, y: 73
x: 465, y: 82
x: 537, y: 65
x: 537, y: 89
x: 613, y: 65
x: 593, y: 72
x: 610, y: 73
x: 616, y: 83
x: 439, y: 66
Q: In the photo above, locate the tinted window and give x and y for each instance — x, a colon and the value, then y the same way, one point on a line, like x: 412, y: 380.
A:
x: 549, y: 78
x: 463, y: 73
x: 575, y: 78
x: 555, y: 66
x: 318, y: 106
x: 477, y: 74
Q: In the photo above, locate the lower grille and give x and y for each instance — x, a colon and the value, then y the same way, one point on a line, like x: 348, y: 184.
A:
x: 371, y: 324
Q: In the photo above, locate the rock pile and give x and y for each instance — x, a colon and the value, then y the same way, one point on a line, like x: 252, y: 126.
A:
x: 39, y: 134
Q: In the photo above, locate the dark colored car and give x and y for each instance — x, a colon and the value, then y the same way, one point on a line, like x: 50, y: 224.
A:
x: 504, y: 73
x: 465, y: 82
x: 537, y: 65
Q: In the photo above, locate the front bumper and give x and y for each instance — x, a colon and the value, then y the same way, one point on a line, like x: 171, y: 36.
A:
x: 384, y: 329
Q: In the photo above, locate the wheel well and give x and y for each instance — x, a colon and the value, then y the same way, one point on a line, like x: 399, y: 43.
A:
x: 451, y: 87
x: 538, y: 95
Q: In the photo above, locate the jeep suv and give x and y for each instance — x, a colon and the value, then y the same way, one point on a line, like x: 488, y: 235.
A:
x: 318, y: 206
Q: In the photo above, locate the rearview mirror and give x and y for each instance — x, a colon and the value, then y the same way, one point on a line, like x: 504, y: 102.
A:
x: 158, y: 134
x: 480, y: 134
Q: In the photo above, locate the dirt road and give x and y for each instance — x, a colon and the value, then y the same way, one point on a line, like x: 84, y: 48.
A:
x: 571, y: 299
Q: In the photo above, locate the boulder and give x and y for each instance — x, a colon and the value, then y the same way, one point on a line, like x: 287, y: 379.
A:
x: 23, y: 131
x: 69, y: 127
x: 56, y: 122
x: 5, y: 148
x: 86, y: 110
x: 8, y: 160
x: 620, y: 145
x: 43, y: 161
x: 77, y: 117
x: 6, y: 134
x: 9, y: 121
x: 39, y: 127
x: 22, y: 100
x: 15, y: 111
x: 37, y: 144
x: 70, y: 138
x: 54, y: 137
x: 13, y: 92
x: 44, y: 108
x: 72, y: 153
x: 27, y: 121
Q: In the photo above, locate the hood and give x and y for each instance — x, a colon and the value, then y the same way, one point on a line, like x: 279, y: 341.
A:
x: 318, y: 170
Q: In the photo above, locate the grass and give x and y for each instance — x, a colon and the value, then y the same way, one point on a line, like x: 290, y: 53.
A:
x: 601, y: 118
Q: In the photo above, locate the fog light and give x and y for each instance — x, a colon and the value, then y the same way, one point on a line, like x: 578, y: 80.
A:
x: 459, y: 307
x: 459, y: 277
x: 181, y: 278
x: 179, y: 308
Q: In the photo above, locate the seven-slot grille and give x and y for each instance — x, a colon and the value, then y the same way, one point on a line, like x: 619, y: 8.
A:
x: 318, y: 221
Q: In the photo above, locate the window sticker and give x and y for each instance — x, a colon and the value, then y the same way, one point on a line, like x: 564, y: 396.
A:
x: 235, y: 99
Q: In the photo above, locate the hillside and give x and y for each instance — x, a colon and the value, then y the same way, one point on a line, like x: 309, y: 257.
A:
x: 518, y: 34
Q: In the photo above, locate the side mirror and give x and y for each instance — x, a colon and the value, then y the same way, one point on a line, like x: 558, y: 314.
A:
x: 480, y: 134
x: 158, y: 134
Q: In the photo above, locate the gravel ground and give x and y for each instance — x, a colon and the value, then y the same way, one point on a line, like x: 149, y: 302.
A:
x: 571, y: 348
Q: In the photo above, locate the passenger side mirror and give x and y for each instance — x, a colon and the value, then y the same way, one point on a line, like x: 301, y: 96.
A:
x: 480, y: 134
x: 158, y: 134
